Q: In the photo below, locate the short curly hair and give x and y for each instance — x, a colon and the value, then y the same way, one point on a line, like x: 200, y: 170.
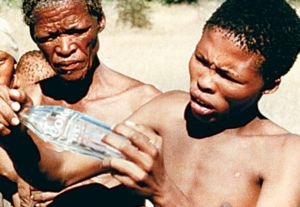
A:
x: 28, y: 6
x: 267, y: 27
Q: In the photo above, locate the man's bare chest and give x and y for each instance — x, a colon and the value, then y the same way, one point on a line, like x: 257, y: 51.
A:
x: 111, y: 111
x: 219, y: 174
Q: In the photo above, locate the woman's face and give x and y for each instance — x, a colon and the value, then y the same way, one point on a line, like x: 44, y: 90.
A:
x: 7, y: 63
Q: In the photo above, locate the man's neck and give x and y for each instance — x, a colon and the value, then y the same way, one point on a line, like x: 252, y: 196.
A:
x: 70, y: 91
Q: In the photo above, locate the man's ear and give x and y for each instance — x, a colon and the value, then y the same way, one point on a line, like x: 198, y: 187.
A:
x: 31, y: 31
x: 272, y: 87
x: 102, y: 23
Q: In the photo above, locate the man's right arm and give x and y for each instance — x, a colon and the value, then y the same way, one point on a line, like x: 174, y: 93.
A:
x: 37, y: 161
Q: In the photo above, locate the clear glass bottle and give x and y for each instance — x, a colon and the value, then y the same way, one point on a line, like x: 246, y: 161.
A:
x: 69, y: 130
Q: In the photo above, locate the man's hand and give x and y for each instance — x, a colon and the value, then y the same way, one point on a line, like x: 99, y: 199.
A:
x: 143, y: 169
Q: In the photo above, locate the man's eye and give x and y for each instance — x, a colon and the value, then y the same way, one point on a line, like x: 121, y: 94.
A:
x: 47, y: 38
x: 224, y: 74
x: 202, y: 61
x: 77, y: 31
x: 44, y: 39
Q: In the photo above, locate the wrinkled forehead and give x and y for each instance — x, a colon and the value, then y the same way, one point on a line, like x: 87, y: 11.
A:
x: 55, y: 7
x: 56, y: 3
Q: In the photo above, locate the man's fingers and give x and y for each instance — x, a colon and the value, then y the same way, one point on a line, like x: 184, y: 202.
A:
x: 43, y: 196
x: 132, y: 152
x: 138, y: 138
x: 125, y: 167
x: 4, y: 130
x: 153, y: 137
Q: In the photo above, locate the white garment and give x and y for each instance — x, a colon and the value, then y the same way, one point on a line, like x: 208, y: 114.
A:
x: 7, y: 43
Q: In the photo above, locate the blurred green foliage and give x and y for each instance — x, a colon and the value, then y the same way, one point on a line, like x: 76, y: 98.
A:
x: 134, y: 12
x: 10, y: 3
x: 178, y: 1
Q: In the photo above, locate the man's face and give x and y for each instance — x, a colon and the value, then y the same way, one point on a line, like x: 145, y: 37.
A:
x: 67, y: 35
x: 6, y: 68
x: 225, y: 79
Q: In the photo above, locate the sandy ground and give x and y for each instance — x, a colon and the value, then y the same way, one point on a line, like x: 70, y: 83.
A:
x: 160, y: 55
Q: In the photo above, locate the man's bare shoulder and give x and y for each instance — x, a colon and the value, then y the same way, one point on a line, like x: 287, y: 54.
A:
x: 125, y: 83
x: 284, y: 148
x: 281, y: 162
x: 291, y: 143
x: 169, y: 100
x: 163, y: 107
x: 144, y: 91
x: 31, y: 68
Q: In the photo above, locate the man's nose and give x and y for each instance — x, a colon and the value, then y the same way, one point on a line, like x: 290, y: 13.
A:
x: 206, y: 82
x: 65, y: 46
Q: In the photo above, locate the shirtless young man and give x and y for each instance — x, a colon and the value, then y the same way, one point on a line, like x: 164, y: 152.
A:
x: 212, y: 146
x: 66, y: 32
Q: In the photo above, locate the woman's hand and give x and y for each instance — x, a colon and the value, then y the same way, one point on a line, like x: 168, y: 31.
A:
x: 12, y: 101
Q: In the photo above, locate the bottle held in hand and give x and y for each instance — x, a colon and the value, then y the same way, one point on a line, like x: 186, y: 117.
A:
x: 69, y: 130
